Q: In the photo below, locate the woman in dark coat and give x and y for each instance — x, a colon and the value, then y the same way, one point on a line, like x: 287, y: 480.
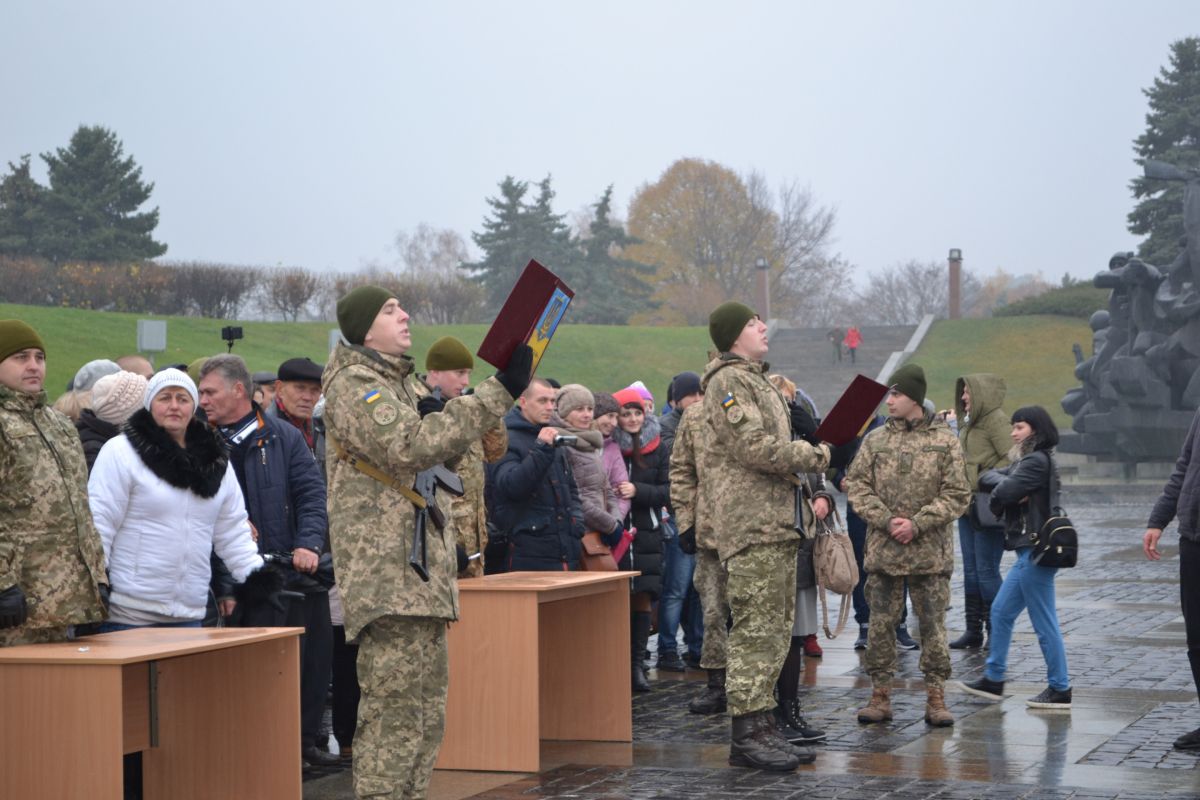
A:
x: 1023, y: 493
x: 648, y: 490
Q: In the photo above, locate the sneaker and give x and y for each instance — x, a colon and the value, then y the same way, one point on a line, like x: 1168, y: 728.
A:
x: 904, y: 641
x: 314, y: 757
x: 669, y: 661
x: 985, y: 688
x: 796, y: 730
x: 812, y: 648
x: 861, y: 642
x: 1189, y: 741
x: 1051, y: 699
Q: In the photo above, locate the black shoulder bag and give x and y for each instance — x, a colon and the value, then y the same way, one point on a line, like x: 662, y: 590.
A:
x: 1056, y: 544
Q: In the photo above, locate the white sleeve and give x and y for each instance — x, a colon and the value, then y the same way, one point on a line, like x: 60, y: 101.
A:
x: 231, y: 535
x: 109, y: 488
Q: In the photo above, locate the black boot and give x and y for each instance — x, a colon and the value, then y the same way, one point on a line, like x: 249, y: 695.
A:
x: 861, y: 642
x: 713, y: 700
x: 639, y: 630
x: 972, y: 637
x: 754, y: 744
x: 794, y: 717
x: 986, y: 611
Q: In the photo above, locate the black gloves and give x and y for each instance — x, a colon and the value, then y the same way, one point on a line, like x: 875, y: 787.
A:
x: 803, y: 424
x: 841, y: 455
x: 263, y: 586
x: 13, y: 611
x: 687, y: 541
x: 516, y: 375
x: 463, y: 561
x: 430, y: 405
x: 105, y: 592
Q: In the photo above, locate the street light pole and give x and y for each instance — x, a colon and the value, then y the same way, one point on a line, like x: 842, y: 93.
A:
x: 955, y: 309
x: 762, y: 274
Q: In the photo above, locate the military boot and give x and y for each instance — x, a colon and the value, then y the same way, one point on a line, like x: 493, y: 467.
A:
x: 713, y: 700
x: 879, y: 709
x: 936, y: 713
x: 754, y: 745
x: 973, y: 636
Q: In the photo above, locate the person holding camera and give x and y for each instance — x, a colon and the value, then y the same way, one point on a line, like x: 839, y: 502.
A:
x: 536, y: 501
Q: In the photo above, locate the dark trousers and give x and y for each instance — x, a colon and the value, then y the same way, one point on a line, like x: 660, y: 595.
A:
x: 345, y: 688
x: 1189, y: 600
x: 311, y: 612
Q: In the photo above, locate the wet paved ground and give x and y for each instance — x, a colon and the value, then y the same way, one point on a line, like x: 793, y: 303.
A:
x: 1133, y: 695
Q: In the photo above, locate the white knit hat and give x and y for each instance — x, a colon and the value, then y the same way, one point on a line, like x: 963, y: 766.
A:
x: 169, y: 377
x: 115, y: 397
x: 93, y: 371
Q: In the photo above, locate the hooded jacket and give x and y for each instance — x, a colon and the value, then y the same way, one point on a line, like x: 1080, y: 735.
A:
x: 371, y: 414
x: 985, y: 435
x: 536, y: 500
x: 161, y: 509
x: 912, y: 470
x: 755, y: 462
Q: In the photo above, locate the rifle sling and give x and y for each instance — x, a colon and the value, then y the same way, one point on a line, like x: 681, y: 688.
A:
x: 375, y: 473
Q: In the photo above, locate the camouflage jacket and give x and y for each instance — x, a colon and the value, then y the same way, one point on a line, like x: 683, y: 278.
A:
x: 914, y: 471
x: 690, y: 493
x: 48, y: 544
x: 371, y: 413
x: 755, y: 462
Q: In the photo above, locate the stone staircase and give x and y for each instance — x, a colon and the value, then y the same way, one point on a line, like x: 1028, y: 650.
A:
x: 806, y: 356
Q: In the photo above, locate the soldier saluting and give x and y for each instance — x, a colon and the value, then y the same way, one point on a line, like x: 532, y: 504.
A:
x: 909, y: 483
x: 752, y: 484
x: 380, y: 442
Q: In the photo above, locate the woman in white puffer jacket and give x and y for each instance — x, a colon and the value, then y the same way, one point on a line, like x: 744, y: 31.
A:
x: 163, y: 496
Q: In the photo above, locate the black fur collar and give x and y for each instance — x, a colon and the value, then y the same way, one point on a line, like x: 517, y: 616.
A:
x: 199, y: 466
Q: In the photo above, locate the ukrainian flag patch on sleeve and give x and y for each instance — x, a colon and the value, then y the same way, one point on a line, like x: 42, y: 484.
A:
x: 728, y: 401
x: 371, y: 396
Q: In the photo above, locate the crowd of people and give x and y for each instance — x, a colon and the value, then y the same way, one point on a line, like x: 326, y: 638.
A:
x: 204, y: 494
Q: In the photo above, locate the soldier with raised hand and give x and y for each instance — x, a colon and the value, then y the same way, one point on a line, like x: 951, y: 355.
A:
x: 51, y: 560
x: 448, y: 366
x: 378, y: 443
x: 909, y: 483
x: 753, y: 478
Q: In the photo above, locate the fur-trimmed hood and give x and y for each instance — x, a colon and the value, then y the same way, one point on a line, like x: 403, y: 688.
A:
x: 198, y: 466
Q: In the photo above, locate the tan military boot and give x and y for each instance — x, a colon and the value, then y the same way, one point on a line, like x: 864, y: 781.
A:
x: 880, y: 707
x: 936, y: 713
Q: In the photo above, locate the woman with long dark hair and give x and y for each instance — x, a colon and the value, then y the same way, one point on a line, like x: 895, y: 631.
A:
x: 1023, y: 493
x: 648, y: 490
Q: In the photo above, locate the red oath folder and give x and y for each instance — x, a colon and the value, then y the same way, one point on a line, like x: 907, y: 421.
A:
x: 531, y: 314
x: 852, y: 410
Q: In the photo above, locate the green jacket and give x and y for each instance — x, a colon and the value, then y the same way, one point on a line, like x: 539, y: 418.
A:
x: 914, y: 471
x: 371, y: 414
x: 754, y: 460
x: 986, y: 438
x: 690, y: 462
x: 48, y: 544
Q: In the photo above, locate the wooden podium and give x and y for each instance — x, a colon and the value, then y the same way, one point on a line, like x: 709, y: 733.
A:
x: 214, y: 711
x: 536, y: 655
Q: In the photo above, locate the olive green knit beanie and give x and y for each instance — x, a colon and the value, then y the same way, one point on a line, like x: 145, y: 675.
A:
x: 356, y: 311
x: 16, y: 336
x: 726, y: 321
x: 448, y: 353
x: 909, y: 381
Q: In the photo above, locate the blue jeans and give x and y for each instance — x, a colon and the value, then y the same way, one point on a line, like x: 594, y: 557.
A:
x: 678, y: 567
x: 981, y: 554
x: 1028, y: 586
x: 109, y: 627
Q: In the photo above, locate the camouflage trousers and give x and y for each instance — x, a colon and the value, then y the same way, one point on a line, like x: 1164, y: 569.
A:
x: 11, y: 637
x: 403, y: 670
x: 709, y: 579
x: 762, y: 598
x: 885, y: 595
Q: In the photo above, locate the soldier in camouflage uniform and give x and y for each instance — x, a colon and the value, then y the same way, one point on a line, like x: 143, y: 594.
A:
x: 448, y: 366
x: 51, y: 561
x: 690, y: 498
x: 908, y: 483
x: 753, y: 478
x: 378, y: 442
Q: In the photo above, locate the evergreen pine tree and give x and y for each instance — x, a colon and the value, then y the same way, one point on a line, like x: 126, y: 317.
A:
x: 1172, y: 135
x: 21, y: 210
x: 93, y: 200
x: 609, y: 289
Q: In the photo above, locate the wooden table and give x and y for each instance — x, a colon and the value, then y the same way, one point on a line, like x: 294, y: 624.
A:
x: 214, y: 711
x: 536, y: 655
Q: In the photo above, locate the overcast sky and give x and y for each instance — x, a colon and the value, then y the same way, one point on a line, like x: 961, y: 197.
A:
x: 305, y: 133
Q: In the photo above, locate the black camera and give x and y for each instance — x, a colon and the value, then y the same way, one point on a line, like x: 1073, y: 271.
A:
x: 565, y: 439
x: 231, y: 333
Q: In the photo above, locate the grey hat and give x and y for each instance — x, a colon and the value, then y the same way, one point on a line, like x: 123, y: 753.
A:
x: 93, y: 371
x: 264, y: 377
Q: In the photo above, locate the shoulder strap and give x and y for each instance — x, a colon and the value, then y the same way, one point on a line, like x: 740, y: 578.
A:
x: 374, y: 473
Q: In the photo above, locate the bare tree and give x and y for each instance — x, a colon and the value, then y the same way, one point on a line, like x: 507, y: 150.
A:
x: 288, y: 291
x: 430, y: 251
x: 216, y: 291
x: 904, y: 293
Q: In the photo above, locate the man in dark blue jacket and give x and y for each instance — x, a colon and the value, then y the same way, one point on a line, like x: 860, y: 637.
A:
x: 285, y: 498
x: 535, y: 499
x: 1180, y: 500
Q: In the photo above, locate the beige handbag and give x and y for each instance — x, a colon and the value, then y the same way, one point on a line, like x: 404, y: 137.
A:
x: 836, y: 568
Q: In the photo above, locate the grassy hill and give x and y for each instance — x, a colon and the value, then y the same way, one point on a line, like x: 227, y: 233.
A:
x: 602, y: 357
x: 1032, y: 353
